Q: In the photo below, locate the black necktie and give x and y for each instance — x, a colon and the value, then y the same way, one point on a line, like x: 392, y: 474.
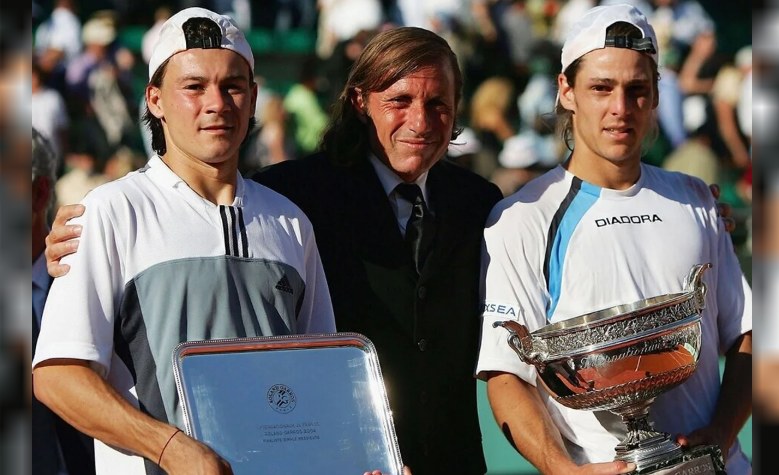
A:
x: 420, y: 227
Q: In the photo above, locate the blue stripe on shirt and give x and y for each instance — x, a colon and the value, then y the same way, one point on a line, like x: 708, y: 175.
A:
x: 581, y: 203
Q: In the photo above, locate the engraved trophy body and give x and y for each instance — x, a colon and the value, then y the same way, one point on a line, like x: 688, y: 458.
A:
x: 620, y: 359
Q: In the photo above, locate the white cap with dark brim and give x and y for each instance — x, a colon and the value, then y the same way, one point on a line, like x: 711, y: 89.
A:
x: 172, y: 39
x: 589, y: 33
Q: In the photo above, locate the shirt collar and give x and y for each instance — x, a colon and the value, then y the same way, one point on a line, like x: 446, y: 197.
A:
x: 159, y: 171
x: 389, y: 180
x: 40, y: 275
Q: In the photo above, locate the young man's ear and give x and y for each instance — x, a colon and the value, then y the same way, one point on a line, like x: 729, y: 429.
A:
x: 567, y: 99
x: 255, y: 92
x: 154, y: 101
x: 358, y: 102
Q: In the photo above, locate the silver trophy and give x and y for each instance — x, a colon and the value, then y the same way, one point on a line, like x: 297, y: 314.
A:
x: 620, y: 359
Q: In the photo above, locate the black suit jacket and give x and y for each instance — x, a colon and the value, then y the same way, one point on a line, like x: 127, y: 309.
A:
x: 425, y: 327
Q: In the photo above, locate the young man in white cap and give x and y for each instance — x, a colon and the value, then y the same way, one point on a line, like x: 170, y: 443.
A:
x: 603, y: 229
x: 183, y: 249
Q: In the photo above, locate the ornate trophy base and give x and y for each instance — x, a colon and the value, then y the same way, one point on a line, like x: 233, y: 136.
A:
x: 701, y: 460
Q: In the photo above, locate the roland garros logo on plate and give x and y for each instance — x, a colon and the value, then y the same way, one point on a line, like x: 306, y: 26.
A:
x: 281, y: 398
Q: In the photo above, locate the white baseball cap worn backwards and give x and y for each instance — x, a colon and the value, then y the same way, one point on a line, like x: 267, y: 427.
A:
x: 172, y: 39
x: 589, y: 33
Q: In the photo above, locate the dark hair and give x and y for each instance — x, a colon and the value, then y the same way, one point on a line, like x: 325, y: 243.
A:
x: 389, y: 57
x: 194, y: 29
x: 564, y: 125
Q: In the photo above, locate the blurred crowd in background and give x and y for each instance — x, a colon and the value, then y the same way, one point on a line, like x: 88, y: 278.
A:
x: 90, y: 63
x: 89, y: 70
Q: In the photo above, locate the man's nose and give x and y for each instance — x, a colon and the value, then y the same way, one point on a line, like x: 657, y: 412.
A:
x: 619, y: 105
x: 217, y: 100
x: 419, y: 118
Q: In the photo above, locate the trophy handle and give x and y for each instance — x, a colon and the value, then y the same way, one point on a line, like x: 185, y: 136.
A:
x: 694, y: 283
x: 523, y: 343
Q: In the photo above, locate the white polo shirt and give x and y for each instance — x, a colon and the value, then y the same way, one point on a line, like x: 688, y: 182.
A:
x: 561, y: 247
x: 159, y: 265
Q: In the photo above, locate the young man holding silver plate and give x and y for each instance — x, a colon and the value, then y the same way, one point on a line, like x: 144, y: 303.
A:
x: 184, y: 249
x: 600, y: 231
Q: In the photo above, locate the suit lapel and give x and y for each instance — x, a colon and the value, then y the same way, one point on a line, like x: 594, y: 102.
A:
x: 445, y: 206
x: 375, y: 227
x: 374, y: 233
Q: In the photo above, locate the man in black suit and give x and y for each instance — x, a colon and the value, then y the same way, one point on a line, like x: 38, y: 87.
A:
x: 399, y: 231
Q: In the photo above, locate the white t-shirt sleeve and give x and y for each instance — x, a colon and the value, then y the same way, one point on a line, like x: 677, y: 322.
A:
x: 316, y: 312
x: 78, y: 320
x: 734, y: 296
x: 511, y: 289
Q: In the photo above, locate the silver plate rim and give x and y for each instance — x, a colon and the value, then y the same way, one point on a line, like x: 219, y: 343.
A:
x: 320, y: 340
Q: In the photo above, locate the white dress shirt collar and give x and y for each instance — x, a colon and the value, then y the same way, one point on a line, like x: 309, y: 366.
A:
x: 400, y: 206
x: 389, y: 180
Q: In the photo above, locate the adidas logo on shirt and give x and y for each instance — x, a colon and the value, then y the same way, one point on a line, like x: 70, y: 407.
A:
x: 284, y: 285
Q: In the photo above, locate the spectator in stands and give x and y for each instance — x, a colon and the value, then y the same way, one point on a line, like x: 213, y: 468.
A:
x: 688, y: 19
x: 335, y: 67
x: 269, y: 143
x: 744, y: 106
x: 58, y: 39
x: 100, y: 80
x: 273, y: 134
x: 726, y: 92
x: 49, y: 115
x: 521, y: 161
x: 517, y: 24
x: 97, y: 35
x: 695, y: 156
x: 701, y: 51
x: 161, y: 15
x: 465, y: 149
x: 493, y: 111
x: 239, y: 10
x: 341, y: 20
x: 84, y: 173
x: 569, y: 14
x: 302, y: 104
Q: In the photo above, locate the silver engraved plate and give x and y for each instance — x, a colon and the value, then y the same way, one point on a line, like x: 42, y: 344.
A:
x: 288, y: 405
